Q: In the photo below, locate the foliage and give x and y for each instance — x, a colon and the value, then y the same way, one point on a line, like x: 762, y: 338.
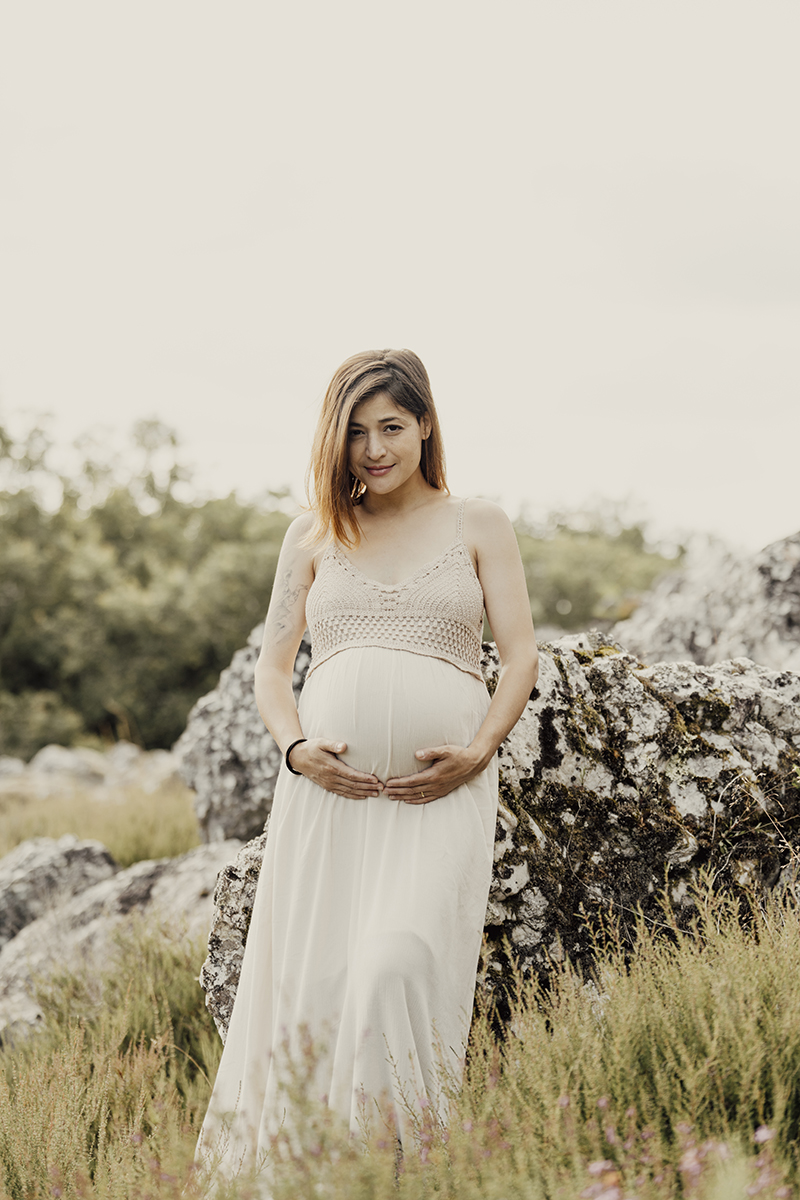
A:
x: 135, y: 825
x: 584, y: 568
x: 121, y: 603
x: 674, y: 1072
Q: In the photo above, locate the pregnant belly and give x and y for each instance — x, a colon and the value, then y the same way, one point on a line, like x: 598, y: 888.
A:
x: 386, y: 704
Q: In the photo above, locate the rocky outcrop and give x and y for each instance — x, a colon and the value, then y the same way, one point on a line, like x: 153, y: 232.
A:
x: 78, y: 934
x: 723, y: 607
x: 619, y: 780
x: 64, y: 770
x: 42, y: 873
x: 227, y: 756
x: 233, y: 907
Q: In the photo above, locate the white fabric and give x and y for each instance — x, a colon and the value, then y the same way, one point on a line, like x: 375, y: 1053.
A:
x: 368, y: 917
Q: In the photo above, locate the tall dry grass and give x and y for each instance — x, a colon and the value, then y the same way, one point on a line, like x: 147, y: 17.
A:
x: 105, y: 1100
x: 138, y: 825
x: 676, y: 1072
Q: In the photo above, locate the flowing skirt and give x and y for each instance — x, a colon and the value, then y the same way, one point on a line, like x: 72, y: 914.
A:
x: 368, y: 916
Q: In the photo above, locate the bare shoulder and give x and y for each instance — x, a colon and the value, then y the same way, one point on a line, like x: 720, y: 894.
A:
x: 299, y: 529
x: 486, y: 522
x: 297, y: 549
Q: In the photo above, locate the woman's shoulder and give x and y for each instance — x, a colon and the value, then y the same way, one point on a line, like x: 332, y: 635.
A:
x: 484, y: 518
x: 299, y: 543
x: 301, y: 527
x: 488, y: 532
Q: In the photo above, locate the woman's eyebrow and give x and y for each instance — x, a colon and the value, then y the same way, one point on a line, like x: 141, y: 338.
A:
x: 380, y: 421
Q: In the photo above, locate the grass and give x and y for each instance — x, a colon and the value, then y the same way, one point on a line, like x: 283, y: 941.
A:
x: 105, y: 1101
x: 141, y: 825
x: 676, y: 1073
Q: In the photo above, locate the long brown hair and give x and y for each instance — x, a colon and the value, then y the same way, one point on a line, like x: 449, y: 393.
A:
x: 333, y: 490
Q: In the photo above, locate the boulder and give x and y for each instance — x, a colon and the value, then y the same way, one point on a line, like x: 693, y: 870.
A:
x: 77, y: 936
x: 11, y: 768
x: 42, y: 873
x: 66, y: 770
x: 233, y: 907
x: 721, y: 607
x: 617, y: 782
x: 79, y: 763
x: 227, y: 756
x: 128, y: 766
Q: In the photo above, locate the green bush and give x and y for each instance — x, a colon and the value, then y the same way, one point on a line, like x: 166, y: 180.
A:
x: 122, y: 600
x: 584, y: 568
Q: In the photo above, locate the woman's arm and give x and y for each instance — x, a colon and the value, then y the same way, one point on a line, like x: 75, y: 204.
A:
x: 283, y: 632
x: 499, y: 567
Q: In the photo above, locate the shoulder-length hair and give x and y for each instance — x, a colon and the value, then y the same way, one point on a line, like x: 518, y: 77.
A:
x: 333, y: 491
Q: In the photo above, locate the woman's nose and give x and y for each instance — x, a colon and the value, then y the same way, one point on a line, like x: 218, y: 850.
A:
x: 375, y: 446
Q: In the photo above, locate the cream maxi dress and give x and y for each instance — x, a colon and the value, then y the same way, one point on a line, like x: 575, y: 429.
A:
x: 368, y: 915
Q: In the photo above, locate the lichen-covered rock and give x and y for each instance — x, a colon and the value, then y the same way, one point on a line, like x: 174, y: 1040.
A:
x: 43, y: 872
x: 233, y: 907
x: 77, y: 935
x: 227, y: 756
x: 723, y: 607
x: 618, y: 780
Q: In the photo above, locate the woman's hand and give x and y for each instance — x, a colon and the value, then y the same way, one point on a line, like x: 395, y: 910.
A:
x: 316, y: 759
x: 451, y: 766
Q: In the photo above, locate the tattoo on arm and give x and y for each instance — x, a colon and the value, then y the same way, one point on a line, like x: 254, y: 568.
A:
x: 280, y: 617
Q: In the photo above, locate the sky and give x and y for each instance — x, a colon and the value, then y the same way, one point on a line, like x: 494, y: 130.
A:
x: 582, y: 215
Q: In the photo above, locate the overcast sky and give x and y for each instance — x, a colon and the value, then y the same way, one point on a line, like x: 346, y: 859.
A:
x: 582, y: 214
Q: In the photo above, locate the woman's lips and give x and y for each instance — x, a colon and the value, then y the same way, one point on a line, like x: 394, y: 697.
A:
x: 379, y: 470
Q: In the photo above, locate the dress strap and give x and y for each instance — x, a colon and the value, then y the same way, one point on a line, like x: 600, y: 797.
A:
x: 460, y: 530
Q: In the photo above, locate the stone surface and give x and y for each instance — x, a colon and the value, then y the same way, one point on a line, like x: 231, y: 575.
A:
x: 227, y: 756
x: 233, y: 907
x: 723, y: 607
x: 618, y: 780
x: 11, y: 768
x: 42, y: 873
x: 80, y: 762
x: 64, y: 771
x: 78, y: 935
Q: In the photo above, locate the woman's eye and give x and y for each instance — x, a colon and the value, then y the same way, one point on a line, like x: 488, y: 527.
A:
x: 392, y: 428
x: 355, y: 432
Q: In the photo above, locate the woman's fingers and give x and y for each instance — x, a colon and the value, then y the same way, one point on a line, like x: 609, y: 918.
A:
x: 419, y: 788
x: 318, y: 761
x: 433, y: 752
x: 450, y: 767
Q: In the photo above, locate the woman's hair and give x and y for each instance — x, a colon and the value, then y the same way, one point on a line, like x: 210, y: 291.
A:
x: 332, y: 489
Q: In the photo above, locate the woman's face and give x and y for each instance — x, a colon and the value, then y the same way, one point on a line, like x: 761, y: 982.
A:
x: 385, y: 443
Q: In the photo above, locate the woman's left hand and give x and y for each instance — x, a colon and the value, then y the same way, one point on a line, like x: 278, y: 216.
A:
x: 451, y: 766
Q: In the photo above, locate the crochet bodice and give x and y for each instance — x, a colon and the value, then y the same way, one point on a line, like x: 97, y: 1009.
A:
x: 437, y: 611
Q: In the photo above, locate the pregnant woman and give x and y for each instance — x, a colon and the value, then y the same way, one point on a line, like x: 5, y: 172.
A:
x: 367, y: 921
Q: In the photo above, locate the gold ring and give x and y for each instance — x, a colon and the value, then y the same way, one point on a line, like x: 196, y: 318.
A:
x: 422, y: 794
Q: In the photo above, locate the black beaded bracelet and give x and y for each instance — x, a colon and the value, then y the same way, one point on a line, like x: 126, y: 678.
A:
x: 289, y: 751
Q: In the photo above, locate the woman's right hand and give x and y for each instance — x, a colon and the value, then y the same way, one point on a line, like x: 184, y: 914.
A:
x: 317, y: 760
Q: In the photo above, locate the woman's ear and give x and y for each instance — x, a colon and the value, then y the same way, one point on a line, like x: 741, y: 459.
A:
x: 425, y: 426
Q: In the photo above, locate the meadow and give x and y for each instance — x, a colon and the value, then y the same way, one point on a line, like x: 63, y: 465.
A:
x: 672, y: 1072
x: 137, y: 825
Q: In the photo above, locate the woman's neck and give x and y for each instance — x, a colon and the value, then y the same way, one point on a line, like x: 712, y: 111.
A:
x: 414, y: 493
